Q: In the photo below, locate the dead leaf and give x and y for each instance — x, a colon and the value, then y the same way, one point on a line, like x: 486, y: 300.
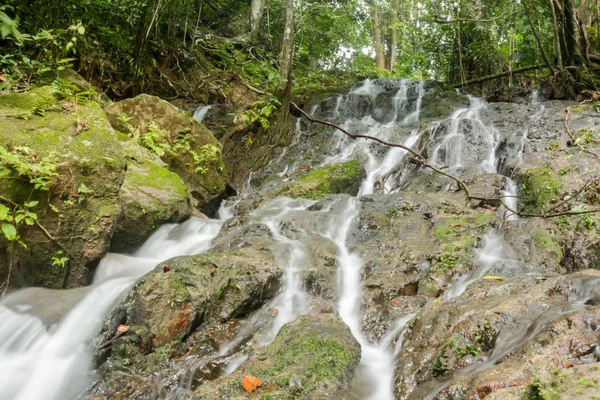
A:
x: 250, y: 383
x: 82, y: 125
x: 496, y: 278
x: 212, y: 271
x: 2, y: 78
x: 396, y: 303
x: 122, y: 328
x: 166, y: 268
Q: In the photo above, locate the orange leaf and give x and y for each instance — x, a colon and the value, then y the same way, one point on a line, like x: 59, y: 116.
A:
x: 2, y: 78
x: 396, y: 303
x: 249, y: 383
x: 123, y: 328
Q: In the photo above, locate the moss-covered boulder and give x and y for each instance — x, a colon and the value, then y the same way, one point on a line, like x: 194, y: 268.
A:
x: 70, y: 147
x: 182, y: 293
x: 185, y: 145
x: 330, y: 179
x: 150, y: 195
x: 312, y: 357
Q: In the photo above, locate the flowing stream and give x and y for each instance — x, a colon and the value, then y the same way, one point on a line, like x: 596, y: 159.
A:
x: 45, y: 334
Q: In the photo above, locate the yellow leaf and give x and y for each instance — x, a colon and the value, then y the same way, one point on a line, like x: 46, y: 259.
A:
x: 496, y: 278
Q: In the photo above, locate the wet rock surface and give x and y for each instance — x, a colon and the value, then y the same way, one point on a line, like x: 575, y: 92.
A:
x: 492, y: 306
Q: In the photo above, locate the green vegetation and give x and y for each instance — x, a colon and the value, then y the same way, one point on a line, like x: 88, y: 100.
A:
x: 336, y: 178
x: 541, y: 188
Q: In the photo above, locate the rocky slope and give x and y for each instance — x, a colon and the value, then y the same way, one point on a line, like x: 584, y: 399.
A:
x: 347, y: 271
x: 93, y: 183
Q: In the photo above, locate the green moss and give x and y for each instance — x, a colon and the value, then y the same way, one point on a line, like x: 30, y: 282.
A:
x: 461, y: 232
x: 337, y: 178
x: 22, y: 103
x: 547, y: 243
x: 310, y: 352
x: 540, y: 187
x: 160, y: 178
x: 438, y: 368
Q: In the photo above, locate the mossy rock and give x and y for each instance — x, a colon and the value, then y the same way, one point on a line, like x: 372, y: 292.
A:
x: 150, y: 195
x: 461, y: 232
x: 541, y: 187
x: 330, y: 179
x: 440, y: 103
x: 312, y: 357
x: 206, y: 187
x: 81, y: 208
x: 184, y: 292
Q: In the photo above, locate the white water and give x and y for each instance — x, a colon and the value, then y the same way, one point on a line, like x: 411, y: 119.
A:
x: 45, y: 335
x: 377, y: 361
x: 465, y: 134
x: 200, y: 113
x: 492, y: 251
x: 292, y: 257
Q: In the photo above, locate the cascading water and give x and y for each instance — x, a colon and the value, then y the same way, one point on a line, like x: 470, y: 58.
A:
x: 44, y: 338
x: 45, y: 334
x: 200, y: 113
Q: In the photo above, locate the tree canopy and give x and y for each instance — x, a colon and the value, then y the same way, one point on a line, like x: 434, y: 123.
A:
x: 129, y: 46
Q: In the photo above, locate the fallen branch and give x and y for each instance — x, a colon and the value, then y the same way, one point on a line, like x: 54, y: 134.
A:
x: 500, y: 75
x: 355, y: 136
x: 422, y: 161
x: 250, y: 87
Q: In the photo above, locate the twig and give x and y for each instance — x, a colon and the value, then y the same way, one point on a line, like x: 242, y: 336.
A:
x: 250, y: 87
x: 573, y: 137
x: 389, y: 144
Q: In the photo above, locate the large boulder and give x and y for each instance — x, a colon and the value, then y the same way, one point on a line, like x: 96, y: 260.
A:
x: 313, y: 357
x: 189, y: 149
x: 67, y: 146
x: 150, y: 195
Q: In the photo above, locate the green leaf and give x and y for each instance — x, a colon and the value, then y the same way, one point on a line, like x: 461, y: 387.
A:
x: 31, y: 204
x: 10, y: 232
x: 4, y: 211
x: 19, y: 218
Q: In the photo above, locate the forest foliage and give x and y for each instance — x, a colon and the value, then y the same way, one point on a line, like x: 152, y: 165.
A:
x: 129, y: 46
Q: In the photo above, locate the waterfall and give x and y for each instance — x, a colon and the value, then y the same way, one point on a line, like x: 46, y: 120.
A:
x: 200, y: 113
x: 45, y: 334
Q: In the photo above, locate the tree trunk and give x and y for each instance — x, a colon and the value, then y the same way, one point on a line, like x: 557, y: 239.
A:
x: 392, y: 51
x: 557, y: 36
x: 375, y: 24
x: 573, y: 46
x: 287, y: 48
x: 256, y: 11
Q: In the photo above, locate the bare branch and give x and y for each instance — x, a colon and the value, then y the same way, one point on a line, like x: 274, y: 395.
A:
x: 422, y: 161
x: 356, y: 136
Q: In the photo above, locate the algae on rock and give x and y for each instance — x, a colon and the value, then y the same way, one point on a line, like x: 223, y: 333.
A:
x: 330, y: 179
x: 81, y: 210
x: 150, y: 195
x: 144, y: 113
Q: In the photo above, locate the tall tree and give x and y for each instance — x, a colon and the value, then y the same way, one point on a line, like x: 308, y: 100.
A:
x: 257, y: 7
x: 377, y: 38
